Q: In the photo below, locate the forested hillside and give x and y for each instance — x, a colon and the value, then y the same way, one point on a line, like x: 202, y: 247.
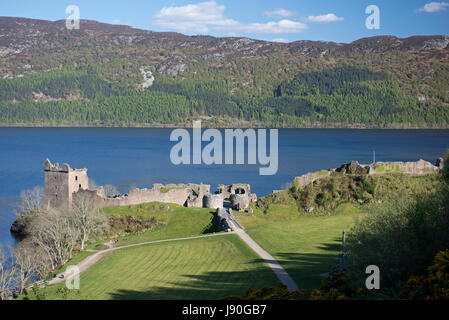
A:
x: 99, y: 75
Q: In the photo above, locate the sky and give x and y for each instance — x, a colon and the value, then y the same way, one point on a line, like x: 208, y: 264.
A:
x: 281, y: 20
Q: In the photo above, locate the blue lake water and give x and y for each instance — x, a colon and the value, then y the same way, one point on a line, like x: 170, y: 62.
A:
x: 125, y: 157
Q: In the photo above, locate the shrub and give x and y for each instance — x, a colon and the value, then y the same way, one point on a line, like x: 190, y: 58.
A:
x: 328, y: 291
x: 368, y: 184
x: 401, y: 236
x: 435, y: 285
x: 322, y: 198
x: 131, y: 224
x: 295, y: 186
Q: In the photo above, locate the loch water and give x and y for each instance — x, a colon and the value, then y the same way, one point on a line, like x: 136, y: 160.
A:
x: 126, y: 157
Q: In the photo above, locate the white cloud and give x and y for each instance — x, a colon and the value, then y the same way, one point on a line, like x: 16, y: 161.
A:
x: 209, y: 16
x: 282, y: 26
x: 280, y: 13
x: 192, y: 17
x: 281, y: 40
x: 434, y: 7
x: 324, y: 18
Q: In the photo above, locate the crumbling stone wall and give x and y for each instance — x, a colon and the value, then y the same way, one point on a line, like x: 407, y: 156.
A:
x: 177, y: 195
x: 416, y: 168
x: 239, y: 194
x: 195, y: 198
x: 64, y: 184
x: 305, y: 179
x: 236, y: 188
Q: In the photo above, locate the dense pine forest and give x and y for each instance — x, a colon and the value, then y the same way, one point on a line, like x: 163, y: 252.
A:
x: 96, y: 77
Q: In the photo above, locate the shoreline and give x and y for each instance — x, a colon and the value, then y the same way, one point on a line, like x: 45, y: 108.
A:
x: 223, y: 126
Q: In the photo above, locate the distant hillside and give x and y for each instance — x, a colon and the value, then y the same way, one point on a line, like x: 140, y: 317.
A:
x: 117, y: 75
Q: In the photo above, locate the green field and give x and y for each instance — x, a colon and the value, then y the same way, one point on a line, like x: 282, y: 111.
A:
x: 180, y: 221
x: 206, y: 268
x: 212, y: 267
x: 305, y: 245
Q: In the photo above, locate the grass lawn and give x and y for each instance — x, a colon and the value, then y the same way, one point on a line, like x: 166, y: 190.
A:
x: 207, y: 268
x: 180, y: 221
x: 305, y: 245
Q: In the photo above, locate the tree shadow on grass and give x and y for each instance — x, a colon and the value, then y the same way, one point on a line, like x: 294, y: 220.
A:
x: 208, y: 285
x: 304, y: 268
x: 308, y: 269
x: 335, y: 247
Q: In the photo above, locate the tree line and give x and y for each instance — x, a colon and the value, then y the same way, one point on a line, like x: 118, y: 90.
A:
x: 345, y: 95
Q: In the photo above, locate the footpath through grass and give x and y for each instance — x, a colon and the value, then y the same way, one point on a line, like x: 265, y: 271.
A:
x: 206, y: 268
x: 215, y: 267
x: 305, y: 245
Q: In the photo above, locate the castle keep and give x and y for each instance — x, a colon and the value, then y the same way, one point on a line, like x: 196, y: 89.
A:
x: 63, y: 185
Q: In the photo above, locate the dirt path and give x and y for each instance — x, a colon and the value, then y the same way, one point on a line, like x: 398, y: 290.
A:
x: 90, y: 260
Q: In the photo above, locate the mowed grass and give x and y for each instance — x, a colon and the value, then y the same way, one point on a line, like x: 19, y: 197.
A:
x: 205, y: 268
x: 179, y: 221
x: 305, y: 245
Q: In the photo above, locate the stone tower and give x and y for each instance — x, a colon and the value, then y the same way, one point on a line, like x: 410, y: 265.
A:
x: 61, y: 183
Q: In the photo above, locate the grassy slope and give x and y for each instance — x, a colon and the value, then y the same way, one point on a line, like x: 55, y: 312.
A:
x: 180, y: 221
x: 305, y: 245
x: 209, y: 268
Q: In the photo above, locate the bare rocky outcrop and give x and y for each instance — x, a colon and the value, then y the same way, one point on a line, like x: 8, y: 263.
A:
x: 353, y: 167
x: 148, y: 77
x: 21, y: 37
x: 19, y: 226
x: 437, y: 43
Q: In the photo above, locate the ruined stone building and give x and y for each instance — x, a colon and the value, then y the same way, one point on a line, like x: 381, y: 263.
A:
x: 63, y: 185
x: 414, y: 168
x: 238, y: 194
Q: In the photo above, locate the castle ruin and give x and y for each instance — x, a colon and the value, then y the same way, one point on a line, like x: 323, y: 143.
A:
x: 414, y: 168
x: 63, y: 185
